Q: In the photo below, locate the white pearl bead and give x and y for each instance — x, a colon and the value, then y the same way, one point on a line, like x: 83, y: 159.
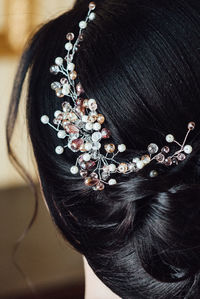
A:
x: 68, y: 46
x: 140, y: 164
x: 96, y: 146
x: 112, y: 167
x: 121, y: 148
x: 91, y: 101
x: 84, y: 118
x: 92, y: 16
x: 89, y: 126
x: 96, y: 126
x: 96, y: 136
x: 86, y: 157
x: 153, y: 173
x: 70, y: 66
x: 44, y: 119
x: 112, y: 182
x: 59, y: 150
x: 135, y: 160
x: 82, y: 24
x: 61, y: 134
x: 92, y: 105
x: 74, y: 169
x: 65, y: 92
x: 88, y: 146
x: 187, y: 149
x: 59, y: 61
x: 170, y: 138
x: 66, y: 89
x: 57, y: 112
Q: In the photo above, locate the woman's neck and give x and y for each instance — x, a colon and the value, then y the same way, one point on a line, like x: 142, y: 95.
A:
x: 94, y: 287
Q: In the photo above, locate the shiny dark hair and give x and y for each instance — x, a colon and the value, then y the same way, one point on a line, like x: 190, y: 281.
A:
x: 140, y: 59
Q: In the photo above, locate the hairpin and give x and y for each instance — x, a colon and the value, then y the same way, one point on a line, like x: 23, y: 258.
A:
x: 83, y: 128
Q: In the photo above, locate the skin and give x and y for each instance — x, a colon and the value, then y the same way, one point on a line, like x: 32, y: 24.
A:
x: 94, y: 287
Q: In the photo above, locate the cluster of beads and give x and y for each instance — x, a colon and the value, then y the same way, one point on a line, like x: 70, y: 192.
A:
x: 177, y: 157
x: 82, y: 127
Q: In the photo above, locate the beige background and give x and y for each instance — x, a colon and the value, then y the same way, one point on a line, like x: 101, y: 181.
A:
x: 43, y: 255
x: 27, y: 15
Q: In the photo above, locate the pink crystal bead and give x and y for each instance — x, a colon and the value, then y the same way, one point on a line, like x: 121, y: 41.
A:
x: 85, y: 103
x: 65, y: 123
x: 79, y: 89
x: 70, y: 36
x: 165, y: 149
x: 68, y: 58
x: 168, y: 161
x: 63, y: 81
x: 100, y: 186
x: 80, y: 37
x: 191, y: 125
x: 80, y: 110
x: 90, y: 164
x: 72, y: 129
x: 79, y: 102
x: 105, y: 133
x: 76, y: 144
x: 175, y: 160
x: 181, y: 156
x: 160, y: 158
x: 80, y: 159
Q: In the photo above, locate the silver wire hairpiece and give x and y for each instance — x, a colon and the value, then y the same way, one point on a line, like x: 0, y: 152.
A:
x: 81, y: 126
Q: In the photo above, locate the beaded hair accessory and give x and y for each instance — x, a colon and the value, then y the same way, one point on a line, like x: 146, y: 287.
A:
x: 81, y: 126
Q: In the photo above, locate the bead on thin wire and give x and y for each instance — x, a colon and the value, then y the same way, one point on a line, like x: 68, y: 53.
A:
x: 82, y: 128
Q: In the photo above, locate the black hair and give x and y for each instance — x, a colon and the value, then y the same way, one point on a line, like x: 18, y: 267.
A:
x: 140, y: 60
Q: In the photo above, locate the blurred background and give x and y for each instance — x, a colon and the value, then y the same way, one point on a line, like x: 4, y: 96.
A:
x: 52, y: 266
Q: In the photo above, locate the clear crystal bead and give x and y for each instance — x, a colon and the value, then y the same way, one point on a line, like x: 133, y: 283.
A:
x: 54, y: 69
x: 105, y: 175
x: 55, y: 85
x: 94, y: 155
x: 152, y: 148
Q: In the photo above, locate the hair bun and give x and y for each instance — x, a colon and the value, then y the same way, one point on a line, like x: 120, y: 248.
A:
x: 168, y: 236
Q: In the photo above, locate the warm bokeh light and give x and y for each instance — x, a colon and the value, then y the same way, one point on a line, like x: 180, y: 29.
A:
x: 18, y: 22
x: 18, y: 19
x: 43, y: 255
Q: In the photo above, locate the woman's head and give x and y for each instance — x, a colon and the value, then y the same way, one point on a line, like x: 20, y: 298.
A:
x: 140, y: 61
